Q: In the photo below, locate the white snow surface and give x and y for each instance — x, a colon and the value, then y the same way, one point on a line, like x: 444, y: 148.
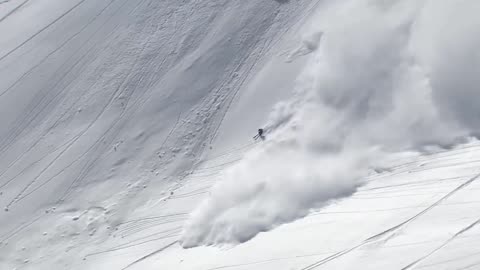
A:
x: 126, y: 134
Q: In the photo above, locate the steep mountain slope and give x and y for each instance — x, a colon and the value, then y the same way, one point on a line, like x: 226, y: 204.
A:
x: 126, y: 134
x: 423, y: 214
x: 107, y: 105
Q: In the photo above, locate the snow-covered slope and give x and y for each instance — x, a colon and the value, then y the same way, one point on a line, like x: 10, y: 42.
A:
x: 126, y: 134
x: 420, y: 215
x: 107, y: 105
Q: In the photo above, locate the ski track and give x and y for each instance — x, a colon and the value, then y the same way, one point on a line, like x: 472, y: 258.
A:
x: 133, y: 245
x: 69, y: 144
x: 16, y: 133
x: 46, y: 100
x: 17, y: 8
x: 117, y: 93
x: 41, y: 30
x: 270, y: 260
x: 150, y: 255
x: 50, y: 54
x: 457, y: 234
x: 475, y: 254
x: 224, y: 98
x: 144, y: 230
x: 67, y: 62
x: 10, y: 234
x: 388, y: 234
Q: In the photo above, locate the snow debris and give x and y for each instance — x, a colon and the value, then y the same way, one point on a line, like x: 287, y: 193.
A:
x: 377, y: 83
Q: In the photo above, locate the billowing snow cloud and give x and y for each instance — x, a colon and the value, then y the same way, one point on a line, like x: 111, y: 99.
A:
x: 397, y: 75
x: 276, y: 184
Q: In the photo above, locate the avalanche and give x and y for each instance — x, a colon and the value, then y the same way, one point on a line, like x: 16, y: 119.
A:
x: 126, y: 134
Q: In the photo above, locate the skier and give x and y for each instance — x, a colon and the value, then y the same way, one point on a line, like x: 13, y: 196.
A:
x: 259, y: 134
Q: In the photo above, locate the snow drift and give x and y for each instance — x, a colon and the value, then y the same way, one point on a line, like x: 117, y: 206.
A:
x: 398, y: 75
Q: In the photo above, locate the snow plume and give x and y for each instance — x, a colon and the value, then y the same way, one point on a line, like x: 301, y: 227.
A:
x: 386, y: 77
x: 274, y: 185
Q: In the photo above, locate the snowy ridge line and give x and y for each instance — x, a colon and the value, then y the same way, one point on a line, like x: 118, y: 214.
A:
x: 42, y: 29
x: 391, y: 231
x: 13, y: 10
x: 418, y: 261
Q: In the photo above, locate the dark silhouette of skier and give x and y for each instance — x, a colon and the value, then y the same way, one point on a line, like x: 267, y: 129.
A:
x: 259, y: 134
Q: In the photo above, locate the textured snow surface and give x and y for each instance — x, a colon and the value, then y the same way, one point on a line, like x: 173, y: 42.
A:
x: 126, y: 134
x: 370, y: 89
